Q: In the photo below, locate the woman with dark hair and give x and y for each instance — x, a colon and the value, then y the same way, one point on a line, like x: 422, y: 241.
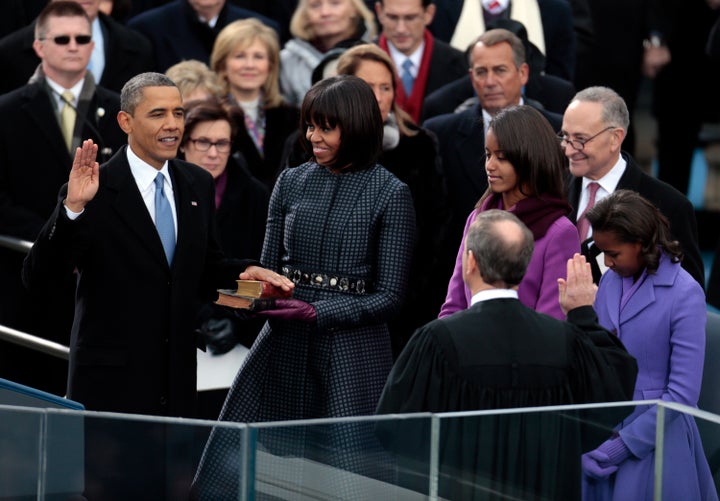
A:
x: 342, y: 228
x: 525, y: 167
x: 411, y: 153
x: 658, y: 311
x: 211, y: 129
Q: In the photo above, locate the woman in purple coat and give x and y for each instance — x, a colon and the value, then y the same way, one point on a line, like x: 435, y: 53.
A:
x: 525, y: 168
x: 658, y: 311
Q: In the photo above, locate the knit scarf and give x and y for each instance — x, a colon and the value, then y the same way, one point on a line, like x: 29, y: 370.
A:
x: 538, y: 213
x: 413, y: 103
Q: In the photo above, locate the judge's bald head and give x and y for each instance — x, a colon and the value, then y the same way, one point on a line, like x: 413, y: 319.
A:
x: 498, y: 248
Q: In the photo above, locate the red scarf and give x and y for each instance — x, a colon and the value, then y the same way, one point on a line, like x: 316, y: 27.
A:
x: 413, y: 104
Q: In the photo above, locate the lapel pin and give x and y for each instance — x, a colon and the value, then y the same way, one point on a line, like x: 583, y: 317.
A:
x: 193, y: 203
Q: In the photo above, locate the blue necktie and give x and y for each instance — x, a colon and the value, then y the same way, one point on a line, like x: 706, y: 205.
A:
x: 407, y: 78
x: 164, y: 218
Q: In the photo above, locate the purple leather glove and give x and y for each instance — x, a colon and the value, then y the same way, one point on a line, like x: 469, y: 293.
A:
x: 290, y: 309
x: 603, y: 461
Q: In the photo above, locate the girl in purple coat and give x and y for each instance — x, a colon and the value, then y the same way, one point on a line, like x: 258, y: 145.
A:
x: 658, y: 311
x: 525, y: 168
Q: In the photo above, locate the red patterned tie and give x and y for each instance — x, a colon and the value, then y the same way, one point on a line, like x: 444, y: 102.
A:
x: 582, y: 222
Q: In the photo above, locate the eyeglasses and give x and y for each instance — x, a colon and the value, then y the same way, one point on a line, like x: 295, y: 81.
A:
x: 65, y: 39
x: 579, y: 144
x: 222, y: 146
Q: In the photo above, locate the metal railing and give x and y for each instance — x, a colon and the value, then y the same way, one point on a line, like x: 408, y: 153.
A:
x: 23, y: 338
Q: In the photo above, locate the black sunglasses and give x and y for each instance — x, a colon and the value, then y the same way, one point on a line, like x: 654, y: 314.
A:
x: 65, y: 39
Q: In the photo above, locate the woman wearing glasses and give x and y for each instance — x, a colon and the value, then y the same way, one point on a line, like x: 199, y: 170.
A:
x: 525, y: 168
x: 241, y: 203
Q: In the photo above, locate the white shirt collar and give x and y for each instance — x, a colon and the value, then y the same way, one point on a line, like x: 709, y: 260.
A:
x: 609, y: 181
x: 488, y: 294
x: 487, y: 117
x: 399, y: 58
x: 144, y: 173
x: 59, y: 89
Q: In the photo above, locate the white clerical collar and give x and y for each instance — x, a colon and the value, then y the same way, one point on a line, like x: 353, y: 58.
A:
x: 488, y: 294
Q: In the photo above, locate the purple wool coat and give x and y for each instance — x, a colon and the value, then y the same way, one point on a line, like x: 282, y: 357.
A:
x: 538, y: 289
x: 663, y: 326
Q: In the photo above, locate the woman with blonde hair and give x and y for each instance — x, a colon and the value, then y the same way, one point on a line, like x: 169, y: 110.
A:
x: 318, y: 26
x: 195, y: 80
x: 246, y: 56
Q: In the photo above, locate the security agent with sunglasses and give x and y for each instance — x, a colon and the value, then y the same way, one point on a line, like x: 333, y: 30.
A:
x: 594, y: 126
x: 119, y: 53
x: 35, y: 159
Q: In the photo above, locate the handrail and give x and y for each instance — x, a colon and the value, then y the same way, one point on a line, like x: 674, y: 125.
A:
x: 22, y: 338
x: 33, y: 342
x: 14, y: 243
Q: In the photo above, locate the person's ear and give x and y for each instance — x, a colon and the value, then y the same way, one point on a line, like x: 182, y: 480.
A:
x: 429, y: 14
x: 38, y: 48
x: 125, y: 121
x: 471, y: 262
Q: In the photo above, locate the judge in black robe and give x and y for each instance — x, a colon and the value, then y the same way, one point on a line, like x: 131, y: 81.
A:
x: 499, y: 354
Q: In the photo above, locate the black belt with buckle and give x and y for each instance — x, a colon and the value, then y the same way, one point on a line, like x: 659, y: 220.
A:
x: 327, y: 281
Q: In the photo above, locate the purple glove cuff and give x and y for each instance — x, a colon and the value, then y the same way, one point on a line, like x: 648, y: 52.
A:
x: 616, y: 450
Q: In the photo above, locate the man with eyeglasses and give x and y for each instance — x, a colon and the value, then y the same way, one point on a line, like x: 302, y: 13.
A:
x: 594, y: 126
x: 424, y: 63
x: 42, y: 123
x: 118, y: 53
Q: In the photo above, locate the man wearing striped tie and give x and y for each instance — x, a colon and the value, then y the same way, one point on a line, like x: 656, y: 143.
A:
x: 594, y: 126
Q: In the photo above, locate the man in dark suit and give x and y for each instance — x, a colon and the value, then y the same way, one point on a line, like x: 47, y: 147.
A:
x: 424, y: 63
x: 143, y: 362
x: 499, y: 354
x: 499, y: 72
x: 28, y: 184
x: 119, y: 53
x: 141, y: 233
x: 593, y: 129
x: 186, y: 29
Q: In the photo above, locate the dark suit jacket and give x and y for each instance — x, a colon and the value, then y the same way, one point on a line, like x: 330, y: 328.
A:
x: 127, y: 53
x: 176, y: 33
x: 34, y: 163
x: 133, y: 345
x: 446, y: 65
x: 462, y: 150
x: 557, y: 21
x: 674, y: 205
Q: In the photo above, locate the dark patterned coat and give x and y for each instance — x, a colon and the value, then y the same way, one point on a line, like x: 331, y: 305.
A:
x: 357, y: 224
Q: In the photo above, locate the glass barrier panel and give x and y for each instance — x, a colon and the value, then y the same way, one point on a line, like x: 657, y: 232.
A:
x: 687, y: 454
x: 364, y: 458
x: 533, y: 453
